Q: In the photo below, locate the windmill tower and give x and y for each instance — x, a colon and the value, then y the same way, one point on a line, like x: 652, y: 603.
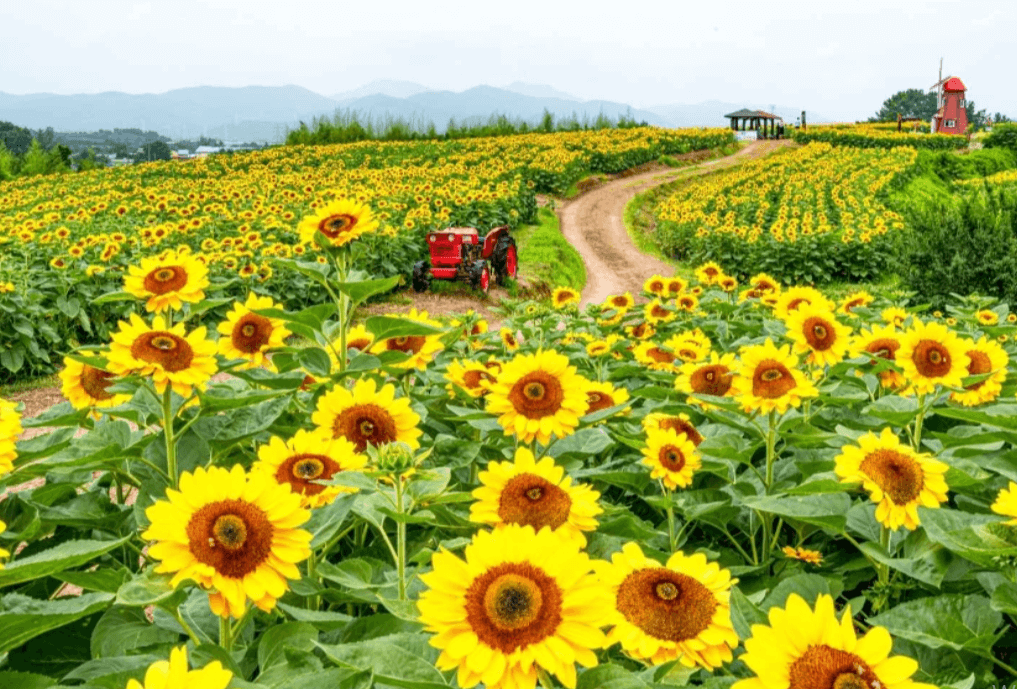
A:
x: 951, y: 116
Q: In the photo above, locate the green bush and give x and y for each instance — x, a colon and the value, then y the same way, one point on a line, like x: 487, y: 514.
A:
x: 949, y: 166
x: 1002, y: 136
x: 962, y: 246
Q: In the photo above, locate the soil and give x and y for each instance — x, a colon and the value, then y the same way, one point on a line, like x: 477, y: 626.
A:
x: 593, y: 223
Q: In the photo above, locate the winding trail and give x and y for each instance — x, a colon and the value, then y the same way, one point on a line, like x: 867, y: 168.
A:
x: 594, y: 224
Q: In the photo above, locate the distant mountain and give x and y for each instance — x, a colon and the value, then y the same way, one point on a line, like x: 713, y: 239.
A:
x: 385, y: 87
x: 711, y: 113
x: 539, y: 91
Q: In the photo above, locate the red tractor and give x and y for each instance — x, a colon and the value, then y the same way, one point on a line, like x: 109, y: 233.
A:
x: 460, y: 253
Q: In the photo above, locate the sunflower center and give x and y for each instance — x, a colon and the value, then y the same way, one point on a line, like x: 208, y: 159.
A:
x: 564, y: 297
x: 364, y: 424
x: 301, y: 471
x: 896, y: 474
x: 680, y: 425
x: 672, y: 458
x: 411, y: 344
x: 688, y: 354
x: 510, y: 339
x: 597, y: 401
x: 795, y: 303
x: 772, y: 379
x: 335, y: 225
x: 659, y: 312
x: 884, y: 348
x: 232, y: 536
x: 656, y: 286
x: 639, y: 330
x: 530, y: 500
x: 819, y: 334
x: 980, y: 364
x: 714, y: 379
x: 686, y: 302
x: 165, y: 279
x: 473, y: 378
x: 95, y: 381
x: 251, y: 333
x: 660, y: 356
x: 169, y: 351
x: 619, y: 302
x: 665, y: 604
x: 931, y: 359
x: 513, y: 605
x: 360, y: 343
x: 823, y: 667
x: 537, y: 395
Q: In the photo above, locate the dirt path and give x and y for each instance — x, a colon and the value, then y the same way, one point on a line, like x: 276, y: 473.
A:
x: 594, y: 224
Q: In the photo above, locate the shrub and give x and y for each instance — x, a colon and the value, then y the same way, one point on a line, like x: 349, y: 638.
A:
x: 962, y: 247
x: 1002, y: 136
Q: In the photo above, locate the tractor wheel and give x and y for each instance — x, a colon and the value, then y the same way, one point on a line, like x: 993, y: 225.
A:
x: 421, y: 276
x: 480, y: 276
x: 505, y: 259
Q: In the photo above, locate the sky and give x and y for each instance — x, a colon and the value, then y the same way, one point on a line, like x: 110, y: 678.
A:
x: 841, y: 59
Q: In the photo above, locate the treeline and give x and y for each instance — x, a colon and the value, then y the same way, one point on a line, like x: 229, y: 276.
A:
x: 24, y: 153
x: 348, y: 126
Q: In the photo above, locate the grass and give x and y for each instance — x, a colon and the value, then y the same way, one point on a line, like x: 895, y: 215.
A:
x: 20, y: 386
x: 545, y: 257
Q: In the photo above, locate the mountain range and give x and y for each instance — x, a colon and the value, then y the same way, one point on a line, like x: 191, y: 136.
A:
x: 264, y: 113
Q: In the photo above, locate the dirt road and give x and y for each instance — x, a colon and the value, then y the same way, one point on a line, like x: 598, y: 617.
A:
x: 593, y: 223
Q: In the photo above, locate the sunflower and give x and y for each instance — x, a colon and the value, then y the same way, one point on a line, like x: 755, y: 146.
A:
x: 640, y: 331
x: 802, y: 647
x: 520, y: 601
x: 656, y: 313
x: 537, y: 494
x: 307, y: 458
x: 175, y: 675
x: 767, y: 379
x: 341, y: 222
x: 727, y: 283
x: 419, y: 348
x: 689, y: 345
x: 679, y: 611
x: 931, y: 354
x: 538, y: 395
x: 247, y: 335
x: 170, y: 357
x: 709, y: 273
x: 508, y: 338
x: 1005, y: 504
x: 709, y: 377
x: 358, y: 338
x: 672, y: 456
x: 813, y: 557
x: 598, y: 348
x: 563, y: 297
x: 619, y: 302
x: 898, y: 479
x: 894, y: 315
x: 84, y: 386
x: 679, y: 424
x: 604, y: 396
x: 650, y: 354
x: 882, y: 342
x: 816, y: 332
x: 986, y: 317
x: 687, y: 302
x: 3, y: 553
x: 764, y: 283
x: 793, y: 297
x: 473, y: 377
x: 675, y: 286
x: 655, y: 285
x: 232, y: 532
x: 854, y: 300
x: 984, y: 356
x: 367, y: 416
x: 612, y: 321
x: 167, y: 281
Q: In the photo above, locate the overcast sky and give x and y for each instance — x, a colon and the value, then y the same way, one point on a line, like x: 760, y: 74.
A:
x: 840, y: 59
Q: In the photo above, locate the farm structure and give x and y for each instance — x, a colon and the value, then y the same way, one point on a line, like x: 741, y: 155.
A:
x: 951, y: 117
x: 765, y: 124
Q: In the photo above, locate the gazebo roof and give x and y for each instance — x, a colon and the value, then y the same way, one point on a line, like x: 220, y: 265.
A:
x: 761, y: 114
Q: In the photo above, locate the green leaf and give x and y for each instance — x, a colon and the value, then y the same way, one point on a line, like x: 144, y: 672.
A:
x: 64, y: 556
x: 900, y: 411
x: 121, y: 630
x: 610, y: 676
x: 316, y: 361
x: 744, y: 614
x: 385, y: 327
x: 402, y: 660
x: 1004, y: 598
x: 827, y: 511
x: 148, y: 588
x: 325, y: 621
x: 113, y: 672
x: 111, y: 297
x: 23, y: 618
x: 25, y: 680
x: 930, y: 568
x: 363, y: 290
x: 585, y: 441
x: 104, y: 580
x: 808, y: 586
x: 277, y: 638
x: 977, y: 537
x: 956, y: 622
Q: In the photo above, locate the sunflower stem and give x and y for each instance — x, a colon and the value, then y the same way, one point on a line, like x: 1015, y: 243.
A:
x: 918, y: 423
x: 225, y: 639
x: 771, y: 444
x: 884, y: 541
x: 670, y: 515
x: 171, y: 441
x: 313, y: 602
x: 186, y: 627
x: 400, y: 539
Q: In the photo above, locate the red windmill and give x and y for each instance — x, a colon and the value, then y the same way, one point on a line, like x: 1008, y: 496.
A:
x: 951, y: 115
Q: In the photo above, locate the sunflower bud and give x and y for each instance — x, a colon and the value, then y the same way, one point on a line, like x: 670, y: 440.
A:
x: 393, y: 458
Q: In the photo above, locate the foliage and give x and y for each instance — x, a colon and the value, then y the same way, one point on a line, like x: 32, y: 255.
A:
x: 766, y: 484
x: 16, y: 139
x: 156, y: 150
x: 909, y: 103
x: 546, y: 257
x: 808, y: 216
x: 876, y: 136
x: 1002, y: 136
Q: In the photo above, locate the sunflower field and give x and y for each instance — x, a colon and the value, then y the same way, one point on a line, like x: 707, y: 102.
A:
x: 747, y: 486
x: 879, y: 135
x: 812, y: 215
x: 66, y: 240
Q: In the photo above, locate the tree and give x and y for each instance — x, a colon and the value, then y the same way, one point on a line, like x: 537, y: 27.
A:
x: 1000, y: 118
x: 910, y: 103
x: 89, y: 162
x: 46, y: 138
x: 546, y: 122
x: 156, y: 150
x: 36, y: 160
x: 7, y: 163
x: 976, y: 117
x: 16, y: 139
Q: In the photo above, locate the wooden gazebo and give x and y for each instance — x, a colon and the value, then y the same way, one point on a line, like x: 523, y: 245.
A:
x: 755, y: 120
